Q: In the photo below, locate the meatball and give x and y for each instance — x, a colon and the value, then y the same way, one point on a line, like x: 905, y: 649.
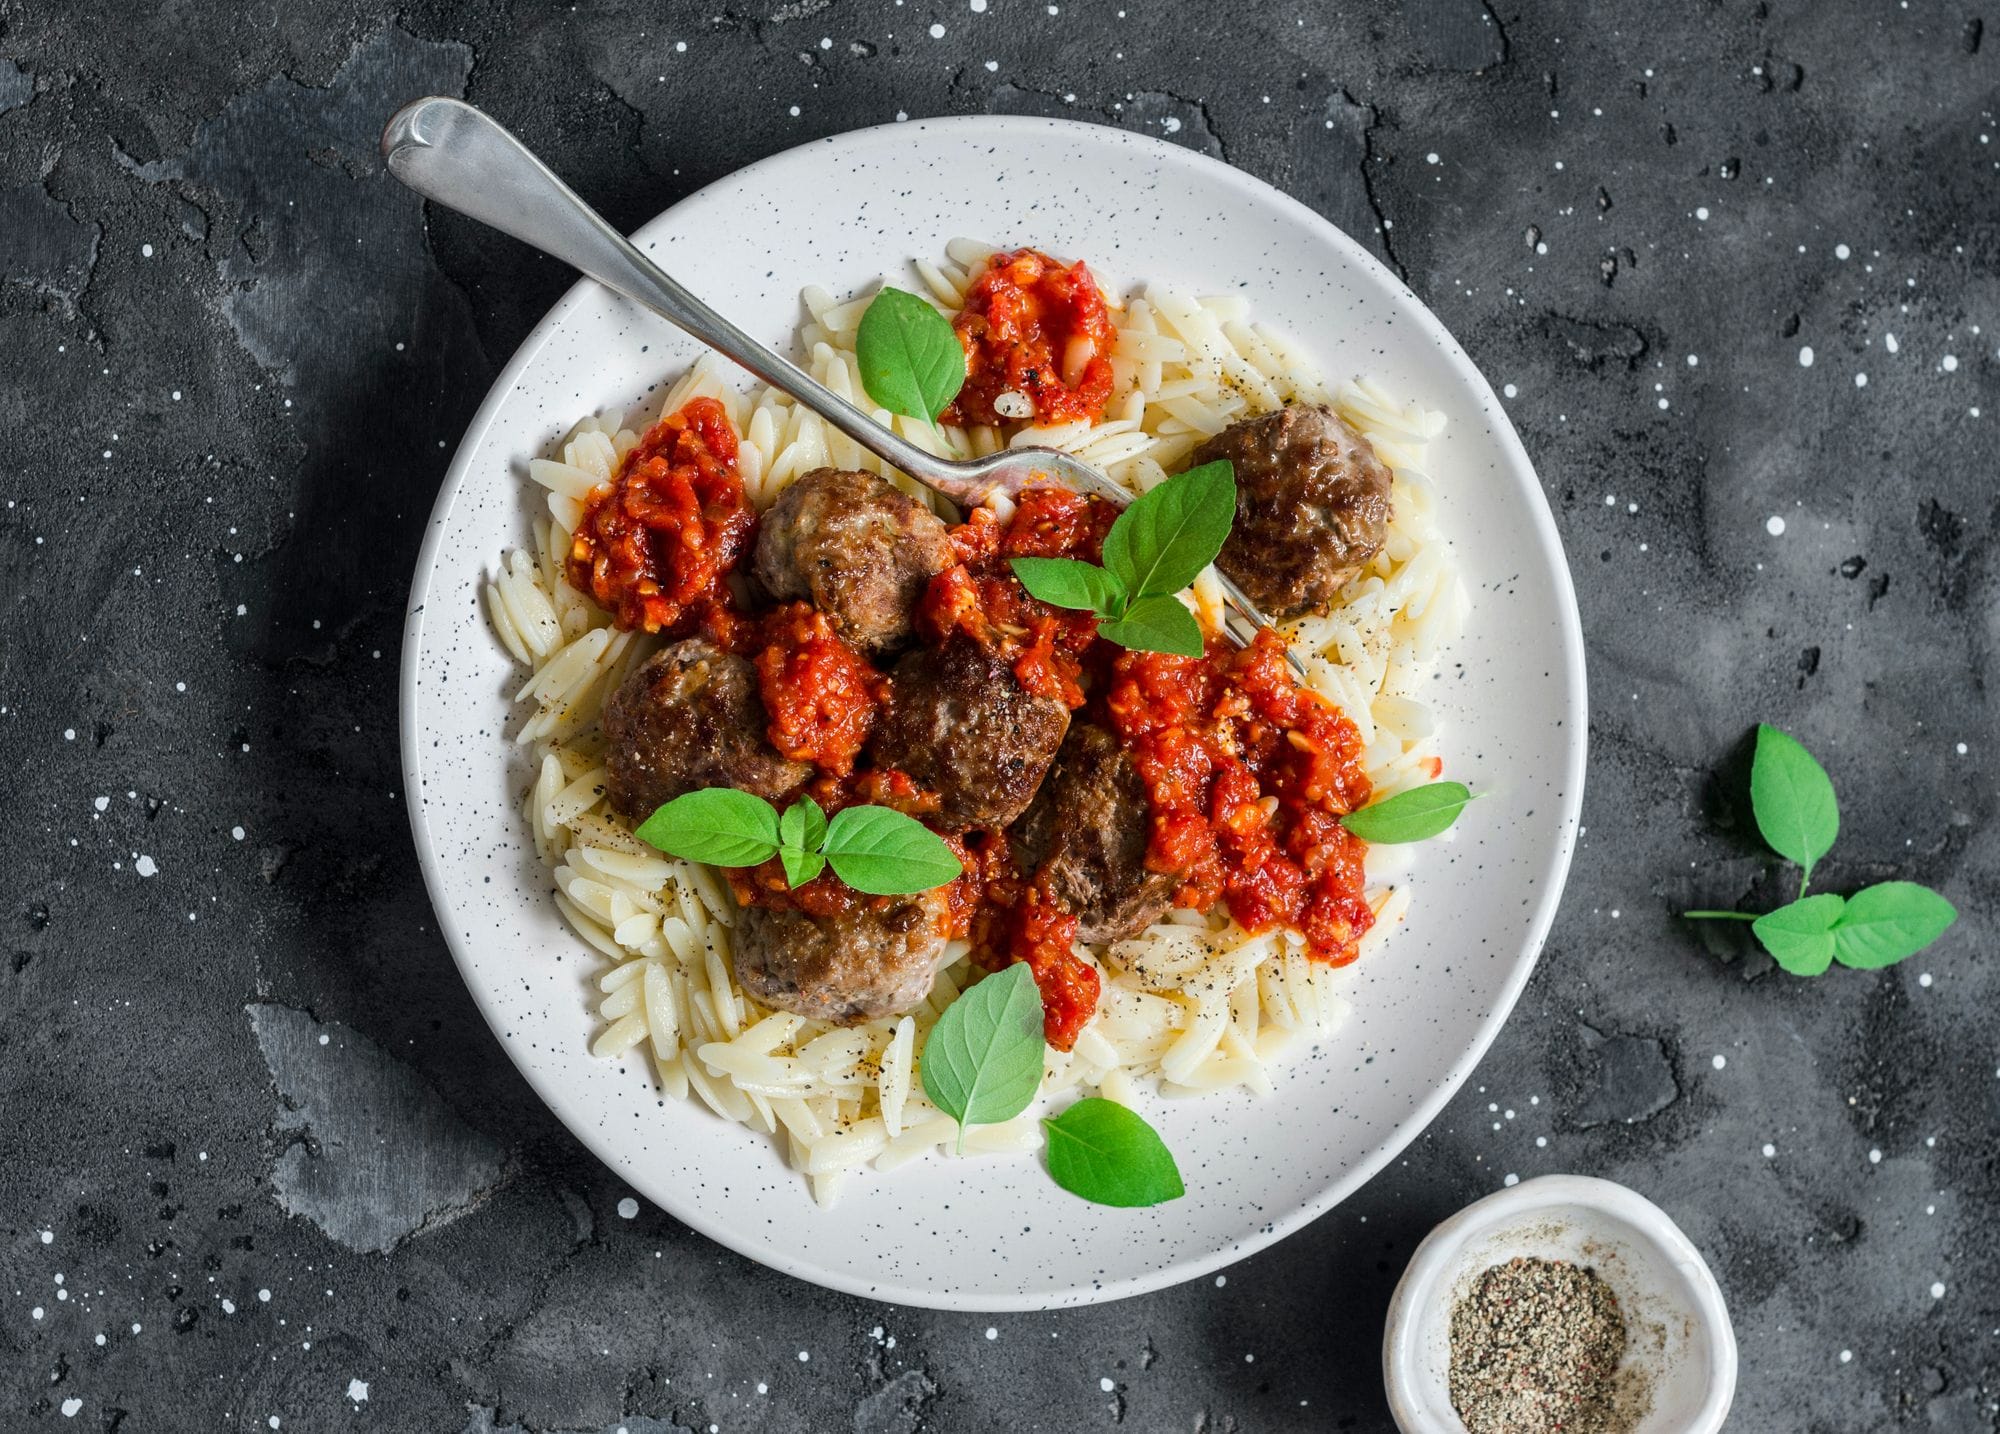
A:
x: 1087, y: 834
x: 1312, y: 507
x: 961, y: 725
x: 858, y: 966
x: 857, y: 548
x: 690, y: 717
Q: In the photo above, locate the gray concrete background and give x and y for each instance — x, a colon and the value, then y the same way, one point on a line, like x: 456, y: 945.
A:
x: 260, y: 1158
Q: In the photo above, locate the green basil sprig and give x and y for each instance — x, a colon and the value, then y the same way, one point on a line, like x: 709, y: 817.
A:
x: 1792, y: 798
x: 910, y: 358
x: 1157, y: 546
x: 873, y: 849
x: 1415, y: 815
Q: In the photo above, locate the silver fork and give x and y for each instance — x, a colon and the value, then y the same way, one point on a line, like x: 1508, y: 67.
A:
x: 458, y: 156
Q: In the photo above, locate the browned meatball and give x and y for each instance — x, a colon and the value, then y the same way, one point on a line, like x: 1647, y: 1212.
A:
x: 1087, y: 834
x: 858, y: 549
x: 690, y: 717
x: 1312, y: 507
x: 855, y: 967
x: 960, y: 723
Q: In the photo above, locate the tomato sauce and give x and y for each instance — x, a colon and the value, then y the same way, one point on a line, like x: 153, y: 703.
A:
x: 821, y: 695
x: 1037, y: 328
x: 825, y: 896
x: 1010, y: 918
x: 656, y: 542
x: 1248, y: 775
x: 981, y: 597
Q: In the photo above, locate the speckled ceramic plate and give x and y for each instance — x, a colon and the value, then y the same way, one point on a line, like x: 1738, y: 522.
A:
x: 995, y: 1234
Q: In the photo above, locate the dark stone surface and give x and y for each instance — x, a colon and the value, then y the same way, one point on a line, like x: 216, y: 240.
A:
x: 235, y: 359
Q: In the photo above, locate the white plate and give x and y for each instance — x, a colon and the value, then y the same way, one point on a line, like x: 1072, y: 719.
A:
x: 994, y: 1234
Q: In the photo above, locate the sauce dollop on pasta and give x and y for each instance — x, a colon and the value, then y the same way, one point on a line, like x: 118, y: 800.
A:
x: 1038, y: 330
x: 656, y: 542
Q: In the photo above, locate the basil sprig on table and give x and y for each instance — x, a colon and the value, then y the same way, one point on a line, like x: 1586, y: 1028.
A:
x: 1415, y: 815
x: 1792, y: 798
x: 1157, y: 546
x: 982, y: 1065
x: 873, y: 849
x: 910, y: 358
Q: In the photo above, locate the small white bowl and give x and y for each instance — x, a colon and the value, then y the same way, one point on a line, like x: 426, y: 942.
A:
x: 1679, y: 1333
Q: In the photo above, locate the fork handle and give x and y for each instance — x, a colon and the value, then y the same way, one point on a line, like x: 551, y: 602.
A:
x: 457, y: 155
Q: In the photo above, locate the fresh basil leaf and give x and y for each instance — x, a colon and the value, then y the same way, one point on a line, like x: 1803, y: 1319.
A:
x: 800, y: 866
x: 1414, y: 815
x: 718, y: 825
x: 803, y: 826
x: 1792, y: 799
x: 1160, y: 623
x: 883, y: 852
x: 1109, y: 1155
x: 1067, y: 582
x: 1800, y: 936
x: 982, y: 1063
x: 1166, y: 537
x: 911, y: 361
x: 1886, y: 922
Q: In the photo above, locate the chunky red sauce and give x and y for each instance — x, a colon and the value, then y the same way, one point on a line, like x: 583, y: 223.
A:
x: 1037, y: 328
x: 1249, y: 775
x: 1010, y: 918
x: 981, y: 597
x: 656, y: 543
x: 820, y: 694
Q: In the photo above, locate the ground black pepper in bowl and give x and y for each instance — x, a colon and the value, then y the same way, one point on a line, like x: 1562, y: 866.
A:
x: 1535, y: 1346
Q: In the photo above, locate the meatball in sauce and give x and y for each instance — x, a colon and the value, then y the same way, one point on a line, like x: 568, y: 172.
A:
x: 1085, y: 838
x: 1312, y: 507
x: 688, y: 718
x: 857, y: 548
x: 870, y: 960
x: 961, y: 725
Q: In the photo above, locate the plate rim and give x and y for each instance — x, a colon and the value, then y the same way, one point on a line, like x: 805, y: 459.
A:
x: 1552, y: 879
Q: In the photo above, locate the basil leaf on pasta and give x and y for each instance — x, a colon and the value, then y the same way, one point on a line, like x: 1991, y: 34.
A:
x: 717, y: 825
x: 910, y: 358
